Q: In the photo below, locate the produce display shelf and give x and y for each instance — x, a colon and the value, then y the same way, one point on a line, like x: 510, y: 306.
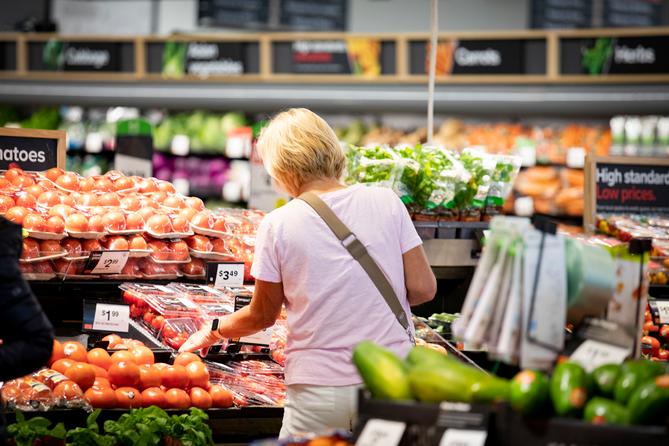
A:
x: 208, y: 154
x: 233, y: 425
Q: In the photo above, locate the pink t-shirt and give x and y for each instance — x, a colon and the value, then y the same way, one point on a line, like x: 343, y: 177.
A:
x: 331, y: 302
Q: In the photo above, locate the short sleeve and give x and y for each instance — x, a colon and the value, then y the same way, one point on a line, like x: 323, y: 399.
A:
x: 408, y: 236
x: 266, y: 260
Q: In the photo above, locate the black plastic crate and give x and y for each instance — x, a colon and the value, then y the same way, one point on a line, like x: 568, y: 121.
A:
x: 449, y: 229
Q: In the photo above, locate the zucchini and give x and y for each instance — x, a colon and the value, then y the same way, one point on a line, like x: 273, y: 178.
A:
x: 383, y: 373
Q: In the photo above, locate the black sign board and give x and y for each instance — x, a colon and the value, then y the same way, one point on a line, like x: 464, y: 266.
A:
x: 624, y: 185
x: 307, y: 15
x: 615, y: 55
x: 214, y: 59
x: 91, y: 56
x: 561, y: 14
x: 34, y: 150
x: 234, y: 13
x: 639, y: 13
x: 320, y: 57
x: 134, y: 148
x: 488, y: 57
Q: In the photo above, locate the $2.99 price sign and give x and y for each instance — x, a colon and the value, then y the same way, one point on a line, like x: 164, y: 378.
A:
x: 225, y: 274
x: 106, y: 262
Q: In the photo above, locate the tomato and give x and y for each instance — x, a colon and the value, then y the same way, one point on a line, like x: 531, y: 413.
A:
x: 82, y: 374
x: 56, y: 352
x: 101, y: 397
x: 186, y: 358
x: 174, y: 376
x: 149, y: 376
x: 124, y: 374
x: 160, y: 366
x: 101, y: 382
x: 200, y: 398
x: 664, y: 332
x: 113, y: 339
x: 122, y: 356
x: 221, y: 397
x: 100, y: 358
x: 198, y: 374
x: 62, y: 365
x: 68, y: 391
x: 148, y: 317
x: 650, y: 327
x: 177, y: 399
x: 142, y: 355
x: 650, y: 346
x: 153, y: 396
x: 158, y: 322
x: 75, y: 351
x: 169, y: 331
x: 99, y: 371
x: 127, y: 397
x: 647, y: 316
x: 663, y: 354
x: 53, y: 173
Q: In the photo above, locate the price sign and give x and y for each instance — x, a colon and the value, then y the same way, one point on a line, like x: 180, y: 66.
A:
x: 111, y: 317
x: 106, y: 262
x: 663, y: 310
x: 591, y: 354
x: 225, y: 274
x: 461, y: 437
x: 381, y: 433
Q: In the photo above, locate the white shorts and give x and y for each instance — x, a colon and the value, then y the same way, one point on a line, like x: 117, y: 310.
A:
x: 318, y: 409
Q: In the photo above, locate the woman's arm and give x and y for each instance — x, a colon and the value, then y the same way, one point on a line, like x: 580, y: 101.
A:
x: 418, y: 276
x: 261, y: 313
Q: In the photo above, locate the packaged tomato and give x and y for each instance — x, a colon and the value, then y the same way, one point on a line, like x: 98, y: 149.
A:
x: 51, y: 378
x: 27, y: 394
x: 198, y: 293
x: 195, y: 269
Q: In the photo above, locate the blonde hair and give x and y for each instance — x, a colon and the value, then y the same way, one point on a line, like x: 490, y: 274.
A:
x: 298, y: 146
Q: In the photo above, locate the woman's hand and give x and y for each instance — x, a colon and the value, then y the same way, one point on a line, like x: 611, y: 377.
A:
x: 201, y: 340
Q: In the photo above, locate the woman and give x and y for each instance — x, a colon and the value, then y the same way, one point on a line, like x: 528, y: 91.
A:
x: 26, y: 336
x: 331, y: 302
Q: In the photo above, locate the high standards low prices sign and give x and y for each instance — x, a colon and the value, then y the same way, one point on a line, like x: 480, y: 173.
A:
x: 34, y: 150
x: 626, y: 185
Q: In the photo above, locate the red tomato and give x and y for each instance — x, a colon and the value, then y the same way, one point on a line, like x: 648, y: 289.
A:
x: 113, y: 339
x: 124, y: 374
x: 650, y: 346
x: 101, y: 397
x: 200, y: 398
x: 198, y: 374
x: 154, y: 396
x: 75, y: 351
x: 142, y: 355
x: 174, y: 376
x: 221, y: 397
x: 663, y: 354
x: 177, y: 399
x: 61, y: 365
x: 158, y: 322
x: 100, y: 358
x: 68, y: 391
x: 149, y: 376
x: 664, y: 332
x: 122, y: 356
x: 650, y: 327
x: 186, y: 358
x: 82, y: 374
x: 128, y: 397
x: 56, y: 352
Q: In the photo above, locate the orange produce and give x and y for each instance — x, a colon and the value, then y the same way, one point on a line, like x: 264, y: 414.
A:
x: 122, y: 356
x: 113, y: 339
x: 174, y: 376
x: 56, y: 352
x: 149, y: 376
x: 124, y: 374
x: 186, y: 358
x: 100, y: 358
x: 82, y: 374
x: 142, y: 355
x: 177, y: 399
x: 101, y: 397
x: 154, y: 396
x: 128, y: 397
x: 99, y: 371
x: 75, y: 351
x: 221, y: 397
x: 101, y: 382
x: 200, y: 398
x: 62, y: 365
x: 68, y: 390
x: 198, y: 374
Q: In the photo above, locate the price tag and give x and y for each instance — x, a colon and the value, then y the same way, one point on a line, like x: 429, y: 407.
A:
x: 263, y: 337
x: 381, y: 433
x: 106, y: 262
x: 225, y: 274
x: 111, y: 317
x: 663, y: 310
x: 461, y: 437
x: 591, y: 354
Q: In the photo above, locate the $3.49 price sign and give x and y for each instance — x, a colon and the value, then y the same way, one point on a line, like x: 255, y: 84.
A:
x: 111, y: 317
x: 225, y: 274
x: 106, y: 262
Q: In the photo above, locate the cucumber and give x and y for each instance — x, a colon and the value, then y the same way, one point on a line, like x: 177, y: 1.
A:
x: 604, y: 379
x: 383, y: 373
x: 420, y: 355
x: 649, y: 404
x: 632, y: 375
x: 490, y: 390
x: 529, y: 392
x: 432, y: 384
x: 569, y: 390
x: 604, y: 411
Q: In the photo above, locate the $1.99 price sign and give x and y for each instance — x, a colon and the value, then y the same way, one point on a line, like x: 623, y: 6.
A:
x: 108, y: 317
x: 106, y: 262
x: 225, y: 274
